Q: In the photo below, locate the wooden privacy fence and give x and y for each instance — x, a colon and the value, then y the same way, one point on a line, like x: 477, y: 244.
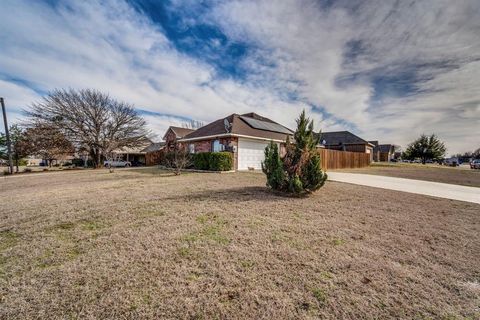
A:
x: 331, y: 159
x: 334, y: 159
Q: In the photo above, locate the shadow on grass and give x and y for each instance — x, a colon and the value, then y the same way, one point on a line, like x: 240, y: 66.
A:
x: 248, y: 193
x: 153, y: 171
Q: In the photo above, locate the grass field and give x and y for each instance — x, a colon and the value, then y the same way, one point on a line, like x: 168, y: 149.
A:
x: 461, y: 176
x: 146, y: 244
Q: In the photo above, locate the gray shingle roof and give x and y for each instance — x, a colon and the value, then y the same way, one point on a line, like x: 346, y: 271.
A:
x: 181, y: 132
x: 386, y: 148
x: 238, y: 127
x: 154, y: 147
x: 340, y: 137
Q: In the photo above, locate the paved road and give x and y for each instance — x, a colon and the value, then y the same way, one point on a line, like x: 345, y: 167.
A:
x: 435, y: 189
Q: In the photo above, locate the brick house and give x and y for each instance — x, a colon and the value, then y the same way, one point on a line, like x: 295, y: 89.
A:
x: 246, y: 136
x: 383, y: 152
x: 173, y: 134
x: 346, y: 141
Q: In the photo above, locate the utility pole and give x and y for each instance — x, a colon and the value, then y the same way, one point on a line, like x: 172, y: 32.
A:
x: 9, y: 146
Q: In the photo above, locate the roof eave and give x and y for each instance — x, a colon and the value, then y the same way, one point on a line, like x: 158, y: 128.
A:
x: 226, y: 135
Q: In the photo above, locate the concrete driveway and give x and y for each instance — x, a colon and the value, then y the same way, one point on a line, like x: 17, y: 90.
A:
x: 434, y: 189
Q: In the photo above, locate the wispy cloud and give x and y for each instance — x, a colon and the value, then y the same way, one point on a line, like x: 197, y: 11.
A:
x: 388, y: 70
x: 393, y: 69
x: 113, y: 48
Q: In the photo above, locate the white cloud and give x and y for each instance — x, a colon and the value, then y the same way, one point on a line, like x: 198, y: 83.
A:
x: 299, y: 46
x: 112, y: 48
x: 16, y: 97
x: 437, y: 40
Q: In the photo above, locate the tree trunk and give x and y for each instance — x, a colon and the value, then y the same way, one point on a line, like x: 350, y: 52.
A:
x: 95, y: 155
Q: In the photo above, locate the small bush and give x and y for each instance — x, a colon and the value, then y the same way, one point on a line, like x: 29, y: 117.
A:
x: 220, y: 161
x: 79, y: 162
x: 214, y: 161
x: 27, y: 170
x: 200, y: 161
x: 168, y: 159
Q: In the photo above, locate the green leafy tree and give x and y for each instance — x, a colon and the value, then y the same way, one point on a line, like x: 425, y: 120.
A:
x: 476, y: 154
x: 17, y: 143
x: 299, y: 171
x: 425, y: 148
x: 3, y: 146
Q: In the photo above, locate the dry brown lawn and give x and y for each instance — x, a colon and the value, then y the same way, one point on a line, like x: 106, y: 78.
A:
x: 435, y: 173
x: 145, y: 244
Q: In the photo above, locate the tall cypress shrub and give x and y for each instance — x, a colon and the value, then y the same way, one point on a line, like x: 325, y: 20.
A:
x: 273, y: 167
x: 299, y: 170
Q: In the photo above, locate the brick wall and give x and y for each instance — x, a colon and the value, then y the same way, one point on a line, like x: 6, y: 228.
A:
x: 206, y: 146
x: 170, y: 140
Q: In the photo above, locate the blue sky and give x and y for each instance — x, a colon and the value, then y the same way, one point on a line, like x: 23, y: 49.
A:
x: 386, y: 70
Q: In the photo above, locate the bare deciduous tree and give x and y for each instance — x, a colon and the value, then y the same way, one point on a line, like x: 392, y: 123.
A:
x: 178, y: 160
x: 91, y: 120
x: 47, y: 142
x: 192, y: 124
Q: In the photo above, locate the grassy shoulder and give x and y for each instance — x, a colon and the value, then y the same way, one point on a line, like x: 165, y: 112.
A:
x: 148, y: 244
x: 459, y: 175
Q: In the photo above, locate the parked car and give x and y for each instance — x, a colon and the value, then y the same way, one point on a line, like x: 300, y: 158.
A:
x: 117, y: 163
x: 475, y: 164
x: 451, y: 162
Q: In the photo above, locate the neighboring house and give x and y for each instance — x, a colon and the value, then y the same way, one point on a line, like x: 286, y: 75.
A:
x: 136, y: 155
x: 246, y: 136
x: 35, y: 160
x: 345, y: 141
x: 383, y: 152
x: 153, y: 153
x: 173, y: 134
x: 154, y: 146
x: 376, y: 152
x: 387, y: 152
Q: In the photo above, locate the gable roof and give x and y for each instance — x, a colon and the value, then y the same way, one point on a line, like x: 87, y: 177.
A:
x: 240, y: 127
x: 179, y: 131
x: 155, y: 146
x: 386, y: 148
x: 341, y: 137
x: 135, y: 149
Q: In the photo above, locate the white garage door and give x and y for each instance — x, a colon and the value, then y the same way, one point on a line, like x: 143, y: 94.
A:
x: 251, y: 153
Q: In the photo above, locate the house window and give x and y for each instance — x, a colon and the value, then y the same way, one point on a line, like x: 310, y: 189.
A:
x: 217, y: 146
x: 191, y: 148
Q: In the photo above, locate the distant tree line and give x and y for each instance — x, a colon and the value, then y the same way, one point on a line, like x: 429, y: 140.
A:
x: 469, y: 155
